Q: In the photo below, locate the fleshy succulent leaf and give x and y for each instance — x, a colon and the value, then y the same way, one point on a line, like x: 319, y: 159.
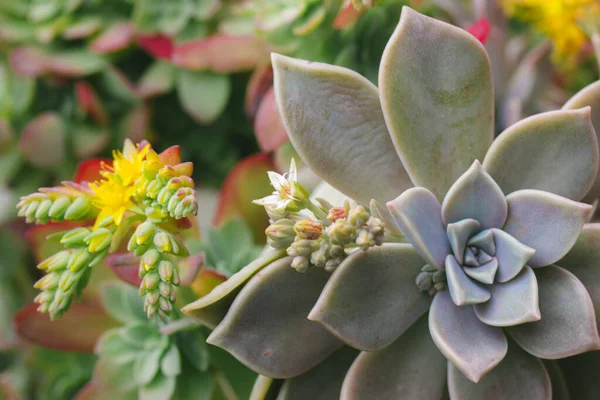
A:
x: 512, y: 303
x: 42, y: 141
x: 211, y: 309
x: 463, y: 290
x: 518, y: 376
x: 584, y: 262
x: 511, y: 254
x: 437, y: 97
x: 270, y: 132
x: 589, y: 96
x: 475, y: 195
x: 546, y: 222
x: 568, y: 325
x: 371, y: 298
x: 555, y: 152
x: 419, y: 215
x: 203, y: 94
x: 269, y: 314
x: 322, y: 382
x: 410, y: 368
x: 459, y: 233
x: 472, y: 346
x: 334, y: 119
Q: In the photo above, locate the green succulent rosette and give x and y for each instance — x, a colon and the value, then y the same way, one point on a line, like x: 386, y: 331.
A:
x: 492, y: 292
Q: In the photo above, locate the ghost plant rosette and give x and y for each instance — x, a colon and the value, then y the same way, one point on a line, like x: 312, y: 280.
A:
x: 500, y: 274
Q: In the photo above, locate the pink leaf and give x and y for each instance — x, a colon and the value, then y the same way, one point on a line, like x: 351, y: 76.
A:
x: 117, y: 37
x: 89, y: 170
x: 28, y: 62
x: 221, y: 53
x: 270, y: 132
x: 125, y: 266
x: 158, y: 46
x: 90, y: 102
x: 189, y: 268
x: 347, y: 15
x: 260, y: 83
x: 480, y: 29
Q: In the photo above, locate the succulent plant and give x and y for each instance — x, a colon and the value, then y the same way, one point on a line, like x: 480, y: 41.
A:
x: 487, y: 271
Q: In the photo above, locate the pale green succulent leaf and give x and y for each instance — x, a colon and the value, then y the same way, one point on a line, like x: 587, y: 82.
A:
x: 589, y: 96
x: 568, y: 325
x: 211, y: 309
x: 147, y: 366
x: 122, y: 302
x: 323, y: 382
x: 584, y: 262
x: 475, y: 195
x: 437, y: 98
x: 419, y: 215
x: 472, y: 346
x: 267, y: 328
x: 512, y: 303
x: 161, y: 387
x: 459, y: 233
x: 170, y: 364
x: 463, y: 290
x: 581, y: 373
x: 518, y: 376
x: 410, y: 368
x: 334, y: 120
x: 203, y: 94
x: 372, y: 298
x: 511, y: 254
x: 555, y: 152
x: 548, y: 223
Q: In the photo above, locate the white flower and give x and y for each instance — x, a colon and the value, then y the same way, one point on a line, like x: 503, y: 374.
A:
x: 288, y: 192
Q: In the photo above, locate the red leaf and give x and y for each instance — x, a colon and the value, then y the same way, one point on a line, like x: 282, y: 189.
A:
x: 171, y: 156
x: 28, y: 62
x: 189, y: 268
x: 77, y: 330
x: 268, y: 126
x: 125, y: 266
x: 37, y: 237
x: 221, y: 53
x: 260, y: 83
x: 480, y: 29
x: 90, y: 102
x: 347, y: 15
x: 247, y: 181
x: 158, y: 46
x: 89, y: 170
x: 117, y: 37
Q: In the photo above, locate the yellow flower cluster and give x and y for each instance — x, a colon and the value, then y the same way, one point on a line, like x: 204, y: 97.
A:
x: 563, y: 21
x: 113, y: 195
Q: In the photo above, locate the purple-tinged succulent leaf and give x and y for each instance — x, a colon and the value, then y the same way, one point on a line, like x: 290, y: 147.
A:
x: 512, y: 303
x: 437, y: 98
x: 475, y: 195
x: 266, y: 327
x: 410, y: 368
x: 42, y: 140
x: 463, y: 290
x: 323, y: 382
x: 546, y: 222
x: 472, y: 346
x: 116, y: 38
x: 568, y: 325
x: 518, y: 376
x: 511, y: 254
x: 459, y: 233
x: 581, y: 373
x: 485, y: 273
x: 419, y: 215
x: 371, y: 298
x: 334, y: 119
x: 211, y: 309
x: 584, y: 262
x: 589, y: 96
x: 556, y: 152
x: 268, y: 126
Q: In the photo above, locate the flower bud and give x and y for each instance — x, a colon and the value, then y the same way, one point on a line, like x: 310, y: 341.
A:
x: 163, y: 242
x: 358, y: 216
x: 281, y: 233
x: 31, y: 210
x: 55, y: 262
x: 150, y: 258
x: 42, y: 212
x: 154, y: 188
x: 59, y: 207
x: 299, y: 192
x: 165, y: 195
x: 68, y: 279
x: 99, y: 240
x: 80, y: 208
x: 150, y: 281
x: 98, y: 257
x: 165, y: 305
x: 336, y: 213
x: 307, y: 229
x: 166, y: 173
x: 166, y: 270
x: 165, y: 289
x: 48, y: 281
x: 152, y: 297
x: 144, y: 232
x: 341, y: 232
x: 79, y: 258
x: 300, y: 264
x: 75, y: 237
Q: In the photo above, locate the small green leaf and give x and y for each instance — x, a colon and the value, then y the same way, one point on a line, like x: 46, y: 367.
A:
x: 147, y: 365
x: 114, y: 349
x: 194, y: 349
x: 170, y: 365
x: 122, y: 302
x: 203, y: 94
x: 192, y: 385
x: 161, y: 388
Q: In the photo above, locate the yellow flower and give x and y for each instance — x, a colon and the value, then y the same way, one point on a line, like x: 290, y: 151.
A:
x: 112, y: 198
x: 127, y: 165
x: 560, y: 20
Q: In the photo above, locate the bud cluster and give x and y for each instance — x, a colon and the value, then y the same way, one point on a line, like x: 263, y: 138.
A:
x: 172, y: 190
x: 431, y: 280
x: 68, y: 271
x: 157, y: 247
x: 42, y: 208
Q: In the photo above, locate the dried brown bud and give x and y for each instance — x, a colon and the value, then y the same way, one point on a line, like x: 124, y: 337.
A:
x: 307, y: 229
x: 336, y: 213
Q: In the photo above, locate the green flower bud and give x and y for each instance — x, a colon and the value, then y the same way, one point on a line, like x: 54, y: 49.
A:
x: 150, y: 258
x: 144, y: 232
x: 166, y: 270
x: 75, y: 237
x: 163, y: 242
x: 56, y: 262
x: 341, y: 232
x: 99, y: 240
x: 68, y: 279
x: 154, y: 188
x: 281, y: 233
x: 358, y: 216
x: 48, y: 281
x: 150, y: 281
x: 165, y: 289
x: 300, y: 263
x: 165, y: 195
x: 59, y: 207
x: 41, y: 215
x: 165, y: 305
x: 81, y: 207
x: 152, y: 297
x: 79, y: 258
x: 31, y: 210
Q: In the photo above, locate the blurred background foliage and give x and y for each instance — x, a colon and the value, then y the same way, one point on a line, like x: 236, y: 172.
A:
x: 77, y: 77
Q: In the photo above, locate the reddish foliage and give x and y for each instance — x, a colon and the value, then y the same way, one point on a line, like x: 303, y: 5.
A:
x: 480, y: 29
x: 159, y: 46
